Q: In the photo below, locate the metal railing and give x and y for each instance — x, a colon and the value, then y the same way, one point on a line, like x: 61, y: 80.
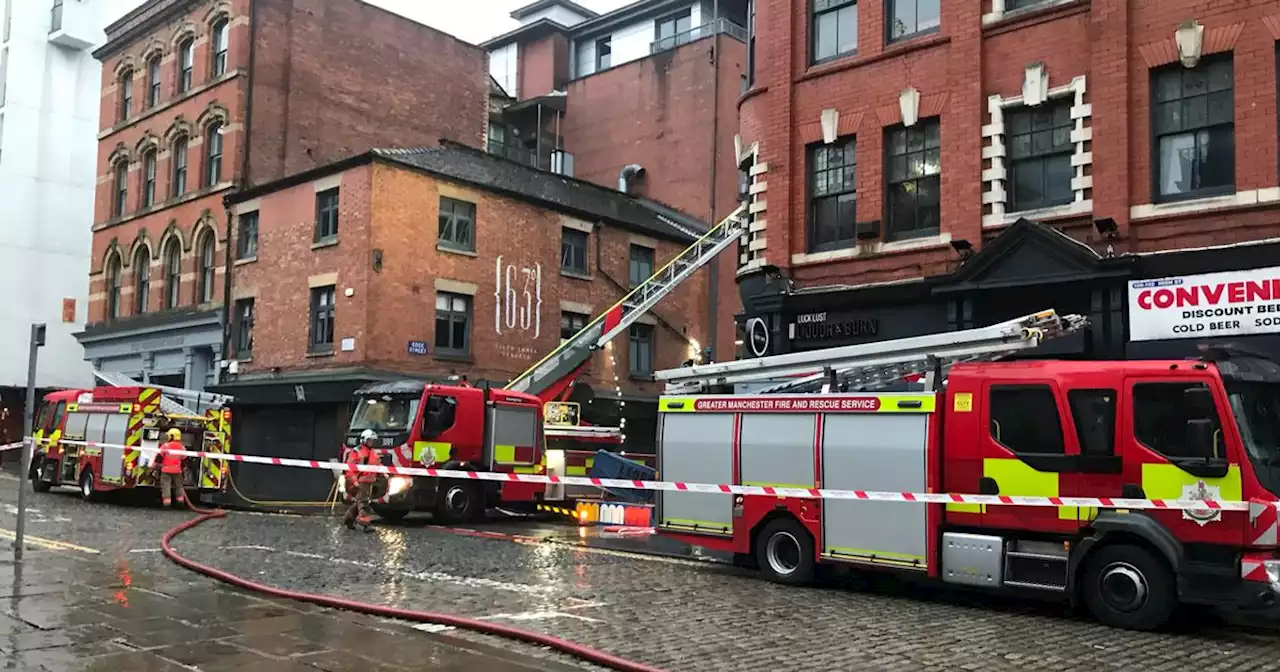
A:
x: 708, y: 29
x: 555, y: 161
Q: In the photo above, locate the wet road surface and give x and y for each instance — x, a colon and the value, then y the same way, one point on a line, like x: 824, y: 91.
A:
x: 677, y: 614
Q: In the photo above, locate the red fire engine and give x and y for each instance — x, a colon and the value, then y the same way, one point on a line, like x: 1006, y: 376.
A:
x: 1196, y: 429
x: 479, y: 428
x: 95, y: 440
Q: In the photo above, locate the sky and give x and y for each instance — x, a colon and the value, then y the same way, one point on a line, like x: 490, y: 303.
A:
x: 472, y: 20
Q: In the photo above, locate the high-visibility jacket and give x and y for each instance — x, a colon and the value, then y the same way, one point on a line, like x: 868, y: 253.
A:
x: 363, y: 455
x: 171, y: 462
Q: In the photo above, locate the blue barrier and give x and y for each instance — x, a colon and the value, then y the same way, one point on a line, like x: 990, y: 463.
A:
x: 612, y: 465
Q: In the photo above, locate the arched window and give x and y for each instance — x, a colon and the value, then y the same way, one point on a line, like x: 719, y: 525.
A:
x: 149, y: 178
x: 126, y: 94
x: 213, y: 154
x: 218, y: 43
x: 178, y: 159
x: 186, y: 64
x: 113, y: 286
x: 206, y: 267
x: 153, y: 81
x: 141, y: 280
x: 172, y: 274
x: 120, y: 183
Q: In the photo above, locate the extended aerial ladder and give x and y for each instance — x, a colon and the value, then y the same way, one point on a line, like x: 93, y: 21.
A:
x: 169, y: 395
x: 554, y: 374
x: 869, y: 366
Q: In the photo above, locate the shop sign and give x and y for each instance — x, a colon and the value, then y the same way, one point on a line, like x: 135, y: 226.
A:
x: 1234, y: 303
x: 832, y: 327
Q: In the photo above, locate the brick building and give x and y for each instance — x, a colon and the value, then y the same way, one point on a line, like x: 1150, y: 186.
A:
x: 338, y: 282
x: 647, y: 94
x: 919, y: 166
x: 201, y: 98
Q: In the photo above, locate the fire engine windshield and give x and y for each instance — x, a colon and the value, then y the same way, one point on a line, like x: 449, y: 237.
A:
x: 1256, y: 407
x: 384, y: 413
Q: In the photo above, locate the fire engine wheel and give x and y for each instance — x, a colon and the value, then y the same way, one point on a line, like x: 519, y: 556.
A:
x: 784, y: 551
x: 459, y: 501
x: 87, y: 484
x: 1127, y: 587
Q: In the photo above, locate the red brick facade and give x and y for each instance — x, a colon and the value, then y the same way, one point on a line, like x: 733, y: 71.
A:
x: 1098, y: 54
x: 388, y: 268
x: 296, y: 90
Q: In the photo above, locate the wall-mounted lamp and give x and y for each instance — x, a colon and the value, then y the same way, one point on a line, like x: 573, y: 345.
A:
x: 1190, y: 39
x: 962, y: 247
x: 1107, y: 228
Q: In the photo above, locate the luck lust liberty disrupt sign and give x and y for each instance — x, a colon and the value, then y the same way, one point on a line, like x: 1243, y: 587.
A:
x: 1234, y: 303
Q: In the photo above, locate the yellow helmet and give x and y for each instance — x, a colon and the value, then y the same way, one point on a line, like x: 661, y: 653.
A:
x: 174, y: 434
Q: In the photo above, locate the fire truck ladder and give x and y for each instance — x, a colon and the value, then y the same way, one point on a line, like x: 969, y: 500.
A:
x: 168, y: 395
x: 872, y: 365
x: 575, y: 351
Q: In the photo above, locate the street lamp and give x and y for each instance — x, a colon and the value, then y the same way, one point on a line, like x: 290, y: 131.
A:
x: 28, y: 445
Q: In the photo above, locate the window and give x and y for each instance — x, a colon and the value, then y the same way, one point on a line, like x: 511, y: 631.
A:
x: 604, y: 53
x: 243, y: 317
x: 641, y: 264
x: 1193, y: 123
x: 219, y: 45
x: 1040, y: 150
x: 640, y: 349
x: 1094, y: 414
x: 213, y: 154
x: 113, y: 287
x: 1024, y: 419
x: 573, y: 251
x: 672, y: 31
x: 833, y: 194
x: 909, y: 18
x: 206, y: 269
x: 327, y: 215
x: 457, y: 225
x: 585, y: 54
x: 149, y: 179
x: 126, y: 94
x: 835, y: 29
x: 173, y: 274
x: 178, y: 157
x: 1160, y: 415
x: 453, y: 324
x: 571, y: 324
x: 153, y: 81
x: 751, y: 43
x: 121, y: 183
x: 321, y: 338
x: 247, y: 236
x: 54, y: 25
x: 1010, y: 5
x: 141, y: 280
x: 186, y: 64
x: 914, y: 166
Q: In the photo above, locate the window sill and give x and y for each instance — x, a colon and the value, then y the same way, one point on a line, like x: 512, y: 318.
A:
x: 450, y: 357
x: 246, y: 260
x: 640, y: 377
x: 164, y: 205
x: 1073, y: 209
x: 327, y: 242
x: 891, y: 51
x: 460, y: 251
x: 576, y: 275
x: 315, y: 354
x: 996, y: 23
x: 1242, y: 199
x: 180, y: 98
x: 918, y: 35
x: 872, y: 249
x: 244, y: 358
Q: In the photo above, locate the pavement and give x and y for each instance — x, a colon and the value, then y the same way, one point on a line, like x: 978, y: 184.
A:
x: 677, y: 611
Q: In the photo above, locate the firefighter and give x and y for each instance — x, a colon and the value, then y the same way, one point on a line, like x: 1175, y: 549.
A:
x: 363, y: 454
x: 170, y: 464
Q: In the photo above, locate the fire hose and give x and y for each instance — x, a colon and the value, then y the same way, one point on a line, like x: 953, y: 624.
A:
x: 563, y: 646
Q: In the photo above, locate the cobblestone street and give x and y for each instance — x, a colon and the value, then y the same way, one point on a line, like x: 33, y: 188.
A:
x: 677, y: 614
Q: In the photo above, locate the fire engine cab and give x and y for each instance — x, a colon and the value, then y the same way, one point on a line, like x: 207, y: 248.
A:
x: 1197, y: 429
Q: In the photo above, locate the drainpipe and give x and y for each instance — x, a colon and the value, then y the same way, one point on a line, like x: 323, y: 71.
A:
x: 713, y: 285
x: 628, y: 173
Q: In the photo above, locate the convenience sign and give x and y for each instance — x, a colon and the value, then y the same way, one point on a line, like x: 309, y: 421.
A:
x: 1209, y: 305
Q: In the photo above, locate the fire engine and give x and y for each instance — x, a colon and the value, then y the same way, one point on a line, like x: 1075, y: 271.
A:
x: 461, y: 426
x: 96, y: 439
x: 1206, y: 428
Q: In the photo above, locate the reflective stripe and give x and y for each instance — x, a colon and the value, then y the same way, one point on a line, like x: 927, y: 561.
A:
x: 905, y: 560
x: 438, y: 451
x: 1018, y: 479
x: 1166, y: 481
x: 888, y: 403
x: 699, y: 525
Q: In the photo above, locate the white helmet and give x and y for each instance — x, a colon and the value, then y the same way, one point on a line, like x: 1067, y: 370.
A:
x: 368, y: 437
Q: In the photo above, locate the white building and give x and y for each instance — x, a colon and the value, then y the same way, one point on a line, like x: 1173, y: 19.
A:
x: 49, y: 100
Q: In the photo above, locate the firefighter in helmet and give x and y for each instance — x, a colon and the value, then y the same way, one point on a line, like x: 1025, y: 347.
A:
x: 170, y: 464
x: 362, y: 454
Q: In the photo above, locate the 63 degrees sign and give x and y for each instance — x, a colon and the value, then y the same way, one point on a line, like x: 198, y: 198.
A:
x: 517, y: 294
x: 1233, y: 303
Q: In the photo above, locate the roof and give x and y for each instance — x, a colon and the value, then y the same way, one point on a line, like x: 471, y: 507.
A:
x: 531, y: 31
x: 627, y: 14
x: 539, y: 5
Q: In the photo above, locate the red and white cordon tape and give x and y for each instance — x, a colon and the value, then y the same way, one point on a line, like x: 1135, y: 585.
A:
x: 1255, y: 508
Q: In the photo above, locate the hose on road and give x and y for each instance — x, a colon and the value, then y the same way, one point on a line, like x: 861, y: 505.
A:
x: 577, y: 651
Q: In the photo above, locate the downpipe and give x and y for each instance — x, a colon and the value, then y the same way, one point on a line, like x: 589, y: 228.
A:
x: 578, y: 651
